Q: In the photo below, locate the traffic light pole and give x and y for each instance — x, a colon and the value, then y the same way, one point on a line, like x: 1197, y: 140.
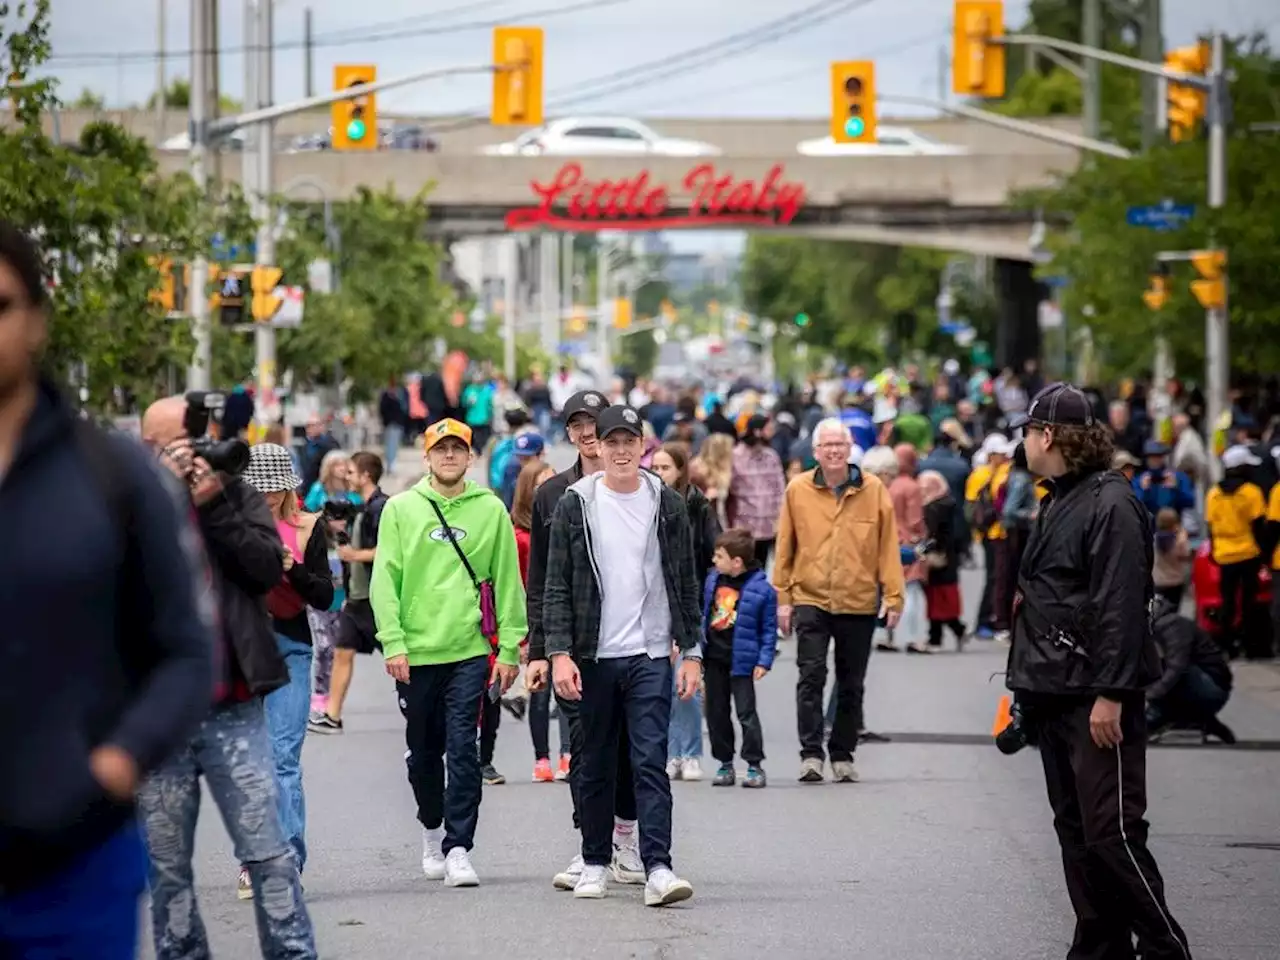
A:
x: 198, y: 374
x: 1216, y: 355
x: 264, y: 334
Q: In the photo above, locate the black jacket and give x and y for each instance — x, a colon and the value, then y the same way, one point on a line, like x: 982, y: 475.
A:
x: 939, y: 522
x: 1183, y: 645
x: 104, y: 638
x: 1081, y: 622
x: 706, y: 527
x: 313, y: 580
x: 247, y: 558
x: 544, y: 507
x: 570, y: 602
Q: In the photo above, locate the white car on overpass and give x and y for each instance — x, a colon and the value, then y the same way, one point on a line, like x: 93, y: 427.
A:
x: 890, y: 142
x: 598, y: 136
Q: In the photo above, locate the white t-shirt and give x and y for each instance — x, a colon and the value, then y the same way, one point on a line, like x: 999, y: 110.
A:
x: 630, y: 618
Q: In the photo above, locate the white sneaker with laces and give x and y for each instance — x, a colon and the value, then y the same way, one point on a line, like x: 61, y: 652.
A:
x: 458, y: 871
x: 432, y: 855
x: 568, y: 878
x: 627, y: 867
x: 593, y: 884
x: 691, y: 769
x: 674, y: 766
x: 665, y: 888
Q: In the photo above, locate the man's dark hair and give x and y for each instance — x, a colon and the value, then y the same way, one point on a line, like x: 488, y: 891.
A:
x: 738, y: 543
x: 20, y: 253
x: 370, y: 463
x: 1085, y: 449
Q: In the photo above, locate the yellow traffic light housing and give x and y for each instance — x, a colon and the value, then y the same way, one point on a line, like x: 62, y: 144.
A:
x: 1157, y: 292
x: 517, y: 77
x: 622, y: 313
x: 977, y: 64
x: 1211, y: 288
x: 354, y: 121
x: 165, y: 295
x: 263, y: 282
x: 853, y: 101
x: 578, y: 321
x: 1185, y: 106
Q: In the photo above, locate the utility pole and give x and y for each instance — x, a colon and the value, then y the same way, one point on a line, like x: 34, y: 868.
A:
x: 1217, y: 341
x: 603, y: 314
x: 1092, y: 37
x: 308, y: 49
x: 161, y: 79
x: 510, y: 298
x: 1151, y: 47
x: 249, y: 156
x: 264, y: 334
x: 198, y: 374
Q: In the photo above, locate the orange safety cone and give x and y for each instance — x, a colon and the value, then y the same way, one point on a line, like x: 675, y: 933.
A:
x: 1004, y: 716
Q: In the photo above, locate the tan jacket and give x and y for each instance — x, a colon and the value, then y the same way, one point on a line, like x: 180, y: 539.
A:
x: 835, y: 554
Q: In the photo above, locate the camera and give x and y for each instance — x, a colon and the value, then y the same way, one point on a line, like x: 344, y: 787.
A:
x: 1018, y: 734
x: 340, y: 511
x: 229, y: 456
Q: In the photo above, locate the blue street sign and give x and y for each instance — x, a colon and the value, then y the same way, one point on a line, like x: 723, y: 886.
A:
x: 231, y: 253
x: 1162, y: 217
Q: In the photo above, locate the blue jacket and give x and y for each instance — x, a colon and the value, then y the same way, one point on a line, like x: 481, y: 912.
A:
x: 1182, y: 496
x: 755, y: 634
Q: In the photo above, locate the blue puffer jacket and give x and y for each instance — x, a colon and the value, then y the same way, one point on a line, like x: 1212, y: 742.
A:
x: 755, y: 633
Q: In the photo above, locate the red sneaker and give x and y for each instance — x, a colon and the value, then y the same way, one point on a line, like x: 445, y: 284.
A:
x: 562, y: 772
x: 542, y: 772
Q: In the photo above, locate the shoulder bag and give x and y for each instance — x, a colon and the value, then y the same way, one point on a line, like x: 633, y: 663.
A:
x: 484, y: 588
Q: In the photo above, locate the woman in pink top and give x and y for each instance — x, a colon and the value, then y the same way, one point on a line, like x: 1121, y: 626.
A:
x: 908, y: 511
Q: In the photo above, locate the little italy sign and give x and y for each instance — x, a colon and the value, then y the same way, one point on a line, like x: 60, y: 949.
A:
x: 573, y: 202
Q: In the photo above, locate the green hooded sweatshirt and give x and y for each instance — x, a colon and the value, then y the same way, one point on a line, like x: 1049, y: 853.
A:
x: 423, y: 599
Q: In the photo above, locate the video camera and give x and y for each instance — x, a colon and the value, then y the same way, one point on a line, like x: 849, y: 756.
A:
x: 340, y: 511
x: 229, y: 456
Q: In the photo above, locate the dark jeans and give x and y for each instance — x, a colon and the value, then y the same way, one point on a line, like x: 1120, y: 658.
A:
x: 1173, y: 594
x: 637, y: 690
x: 763, y: 549
x: 986, y: 607
x: 440, y: 704
x: 490, y: 719
x: 624, y: 797
x: 1195, y: 699
x: 815, y: 629
x: 721, y: 687
x: 1099, y: 801
x: 1239, y: 586
x: 540, y: 725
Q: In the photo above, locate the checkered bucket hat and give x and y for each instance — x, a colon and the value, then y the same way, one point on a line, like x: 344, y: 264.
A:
x: 270, y: 469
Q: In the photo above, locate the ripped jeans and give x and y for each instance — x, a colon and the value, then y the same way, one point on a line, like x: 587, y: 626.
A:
x: 232, y: 751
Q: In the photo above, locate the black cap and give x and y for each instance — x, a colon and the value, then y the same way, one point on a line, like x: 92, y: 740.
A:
x: 1057, y: 405
x: 590, y: 402
x: 619, y: 417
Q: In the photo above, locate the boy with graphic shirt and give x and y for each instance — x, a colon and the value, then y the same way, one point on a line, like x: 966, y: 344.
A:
x: 740, y: 618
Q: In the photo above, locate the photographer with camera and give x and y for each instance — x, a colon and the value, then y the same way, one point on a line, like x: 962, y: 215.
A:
x: 1081, y: 658
x: 232, y: 750
x: 356, y: 628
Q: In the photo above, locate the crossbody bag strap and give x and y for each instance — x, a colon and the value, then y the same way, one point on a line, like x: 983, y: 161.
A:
x: 475, y: 582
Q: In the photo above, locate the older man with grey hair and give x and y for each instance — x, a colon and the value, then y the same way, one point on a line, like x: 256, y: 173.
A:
x: 837, y: 550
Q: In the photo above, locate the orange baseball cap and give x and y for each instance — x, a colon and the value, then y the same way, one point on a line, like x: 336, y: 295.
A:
x: 445, y: 428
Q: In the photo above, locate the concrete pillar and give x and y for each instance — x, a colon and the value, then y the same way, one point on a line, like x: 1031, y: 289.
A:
x: 1018, y: 328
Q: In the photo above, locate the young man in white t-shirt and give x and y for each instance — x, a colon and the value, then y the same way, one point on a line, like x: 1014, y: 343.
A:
x: 620, y: 589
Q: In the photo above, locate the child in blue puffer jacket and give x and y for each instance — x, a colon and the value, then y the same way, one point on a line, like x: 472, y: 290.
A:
x: 740, y: 637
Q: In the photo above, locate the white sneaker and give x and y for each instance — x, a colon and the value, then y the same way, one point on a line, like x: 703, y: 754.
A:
x: 665, y: 888
x: 568, y: 878
x: 843, y: 771
x: 627, y: 866
x: 458, y: 871
x: 593, y: 884
x: 674, y: 767
x: 432, y: 855
x: 691, y: 769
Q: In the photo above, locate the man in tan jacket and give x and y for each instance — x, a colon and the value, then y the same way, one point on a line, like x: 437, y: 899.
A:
x: 836, y: 570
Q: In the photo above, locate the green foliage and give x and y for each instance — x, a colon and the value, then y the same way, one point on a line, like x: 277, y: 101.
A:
x: 88, y: 100
x: 177, y: 96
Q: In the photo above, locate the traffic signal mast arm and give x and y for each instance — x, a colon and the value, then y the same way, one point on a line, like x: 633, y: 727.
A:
x: 1106, y: 56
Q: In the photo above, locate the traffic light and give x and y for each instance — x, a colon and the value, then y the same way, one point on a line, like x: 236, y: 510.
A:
x: 264, y: 281
x: 354, y: 121
x: 1157, y: 292
x: 802, y: 319
x: 229, y: 298
x: 669, y: 312
x: 165, y: 295
x: 1185, y: 106
x: 853, y: 101
x: 977, y: 64
x: 622, y: 313
x: 517, y: 77
x: 1211, y: 288
x: 578, y: 321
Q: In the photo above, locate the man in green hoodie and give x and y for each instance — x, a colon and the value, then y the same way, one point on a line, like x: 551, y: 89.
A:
x: 443, y: 546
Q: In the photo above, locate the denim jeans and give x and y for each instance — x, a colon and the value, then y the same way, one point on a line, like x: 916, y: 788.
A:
x: 232, y: 751
x: 392, y: 437
x: 638, y: 689
x: 288, y: 709
x: 684, y: 733
x: 324, y: 636
x: 441, y: 707
x: 1195, y: 699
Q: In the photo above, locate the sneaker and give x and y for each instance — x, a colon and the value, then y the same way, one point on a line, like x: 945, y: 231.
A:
x: 568, y: 878
x: 843, y: 771
x: 755, y: 778
x: 691, y: 769
x: 432, y: 855
x: 491, y: 776
x: 811, y: 770
x: 665, y: 888
x: 593, y: 884
x: 244, y: 886
x: 1216, y: 728
x: 458, y: 871
x: 516, y: 706
x: 675, y: 768
x: 562, y: 770
x: 542, y: 772
x: 725, y: 776
x: 323, y: 723
x: 984, y: 633
x: 626, y: 865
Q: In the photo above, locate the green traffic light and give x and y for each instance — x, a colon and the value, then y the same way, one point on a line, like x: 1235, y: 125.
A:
x: 802, y: 319
x: 355, y: 130
x: 854, y: 127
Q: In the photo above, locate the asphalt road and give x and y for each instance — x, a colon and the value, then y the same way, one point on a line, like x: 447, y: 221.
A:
x: 945, y: 849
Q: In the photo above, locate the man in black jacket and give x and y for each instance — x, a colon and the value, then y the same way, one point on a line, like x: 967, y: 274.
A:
x: 232, y: 749
x: 105, y: 648
x: 1082, y: 654
x: 1195, y: 680
x: 579, y: 413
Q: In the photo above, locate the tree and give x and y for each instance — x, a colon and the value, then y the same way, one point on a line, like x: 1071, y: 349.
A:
x: 88, y: 100
x: 177, y: 96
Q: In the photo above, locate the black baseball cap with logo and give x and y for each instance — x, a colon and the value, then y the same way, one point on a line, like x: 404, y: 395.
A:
x: 591, y: 402
x: 1057, y: 405
x: 619, y: 417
